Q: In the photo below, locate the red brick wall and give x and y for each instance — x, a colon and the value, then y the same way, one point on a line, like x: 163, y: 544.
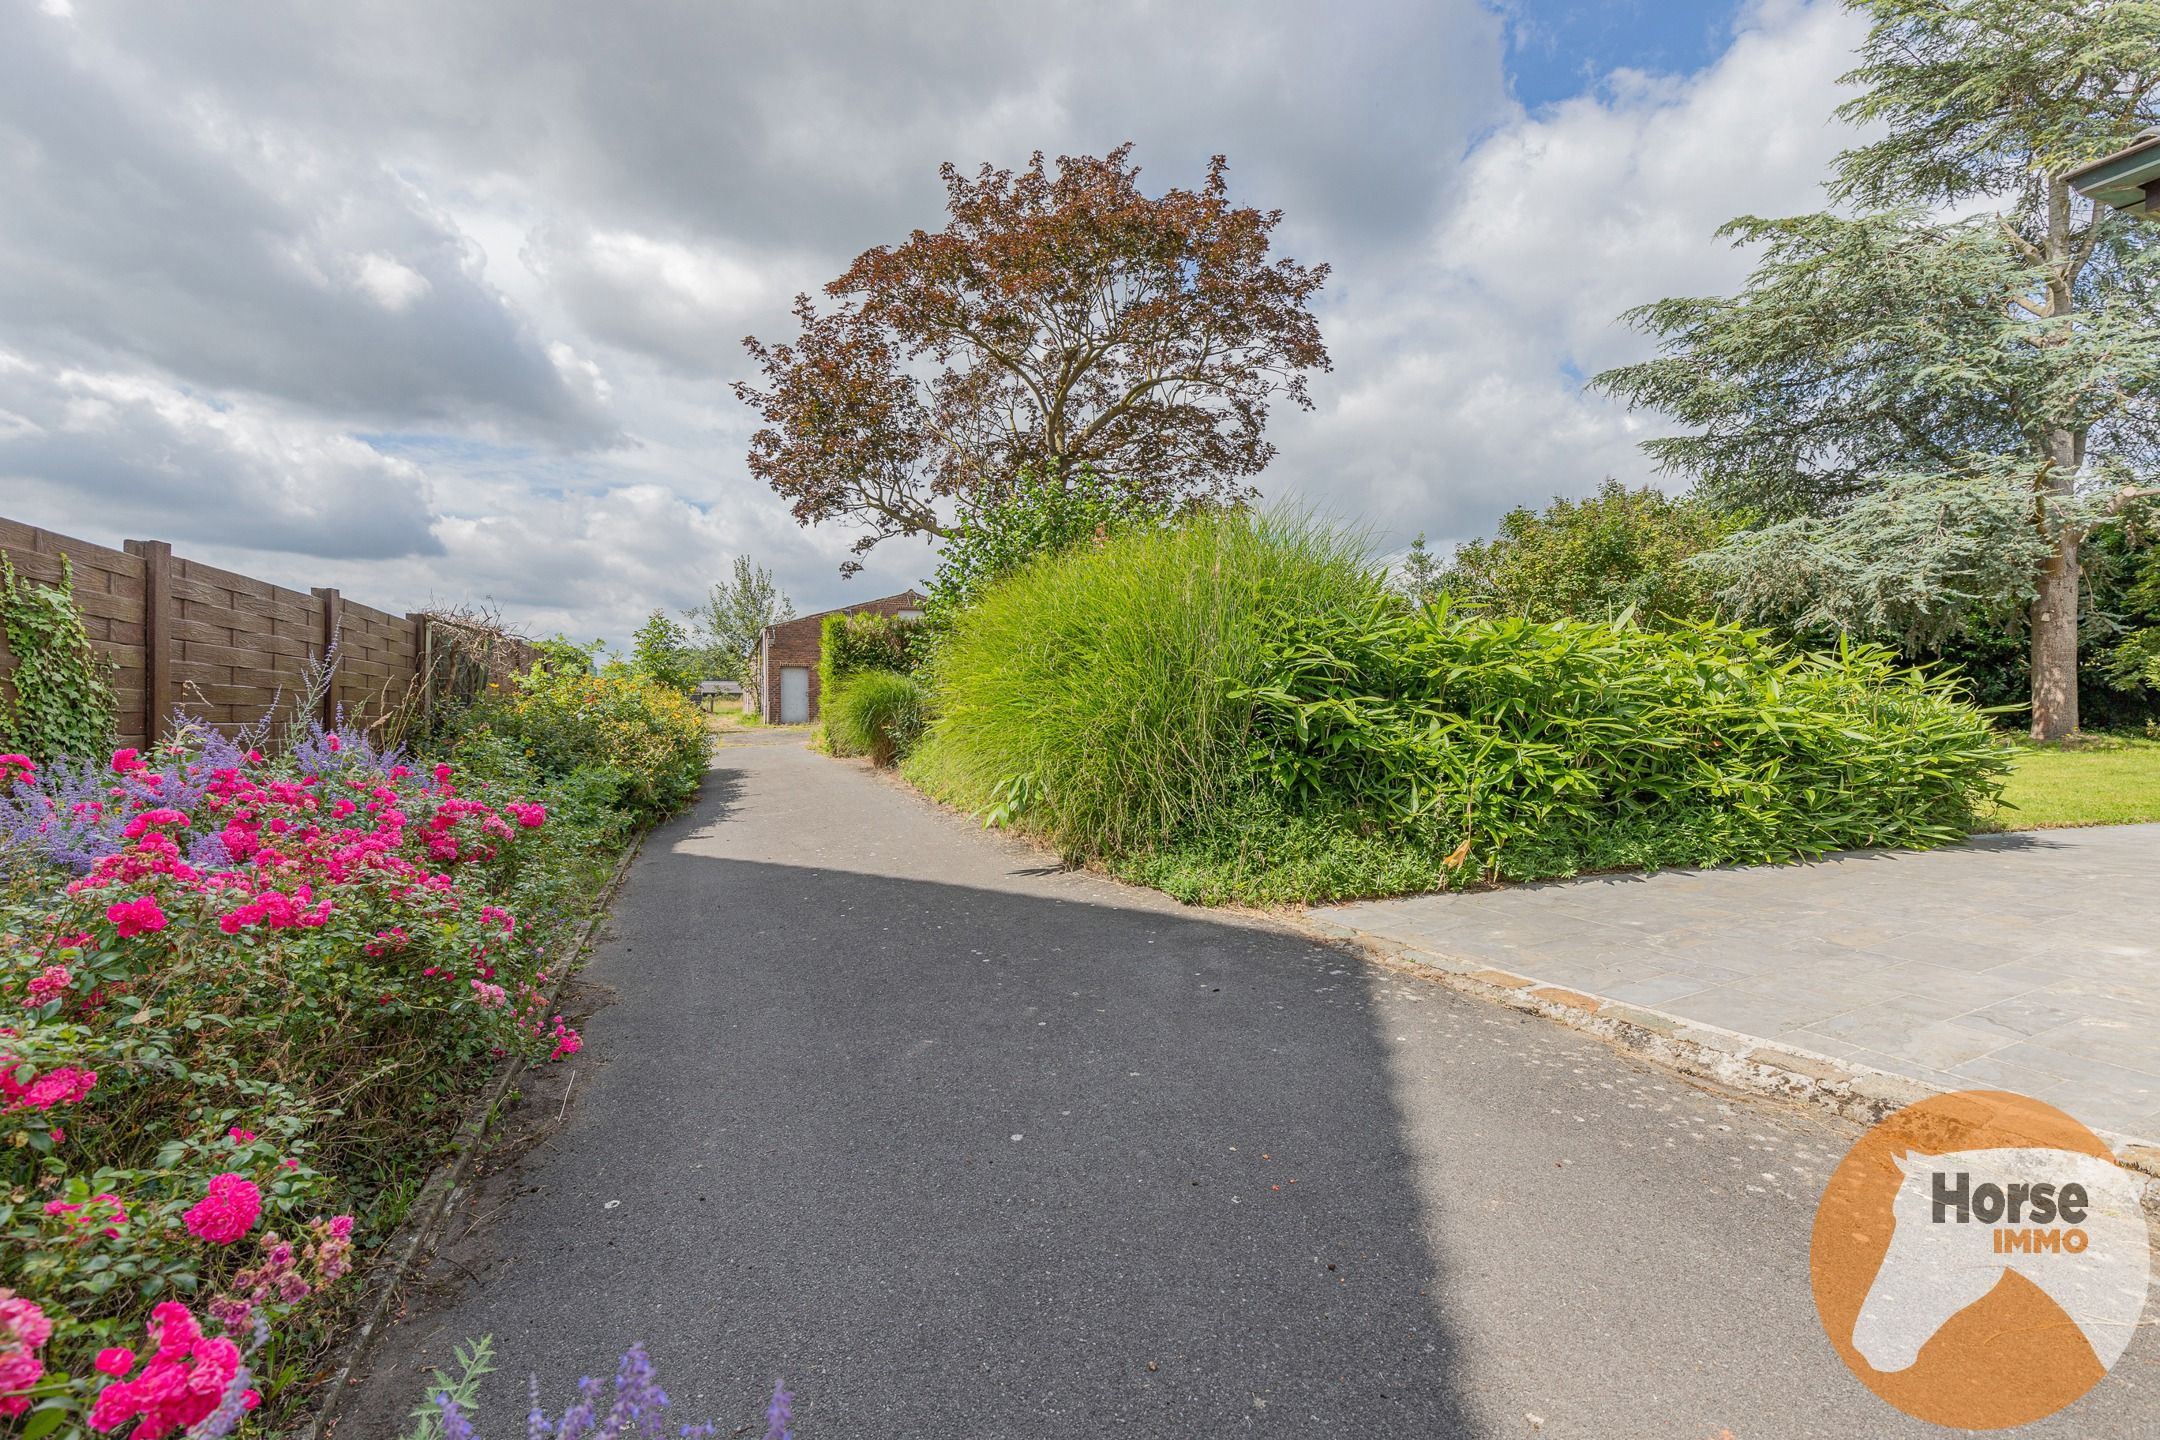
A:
x: 798, y: 642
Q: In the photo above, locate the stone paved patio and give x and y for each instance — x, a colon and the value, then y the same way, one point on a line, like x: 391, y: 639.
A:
x: 2026, y: 962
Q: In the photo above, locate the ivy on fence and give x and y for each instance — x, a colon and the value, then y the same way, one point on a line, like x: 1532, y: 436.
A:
x: 62, y: 698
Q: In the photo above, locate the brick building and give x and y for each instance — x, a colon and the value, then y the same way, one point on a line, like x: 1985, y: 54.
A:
x: 788, y: 657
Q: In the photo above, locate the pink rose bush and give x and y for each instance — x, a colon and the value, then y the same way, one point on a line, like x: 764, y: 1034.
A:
x: 23, y: 1332
x: 218, y: 969
x: 187, y: 1379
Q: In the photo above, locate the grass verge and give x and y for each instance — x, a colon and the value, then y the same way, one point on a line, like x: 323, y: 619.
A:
x: 2099, y: 780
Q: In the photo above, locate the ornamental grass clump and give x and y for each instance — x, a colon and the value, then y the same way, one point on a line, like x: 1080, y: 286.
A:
x: 878, y: 713
x: 1238, y: 708
x: 1099, y: 688
x: 241, y: 997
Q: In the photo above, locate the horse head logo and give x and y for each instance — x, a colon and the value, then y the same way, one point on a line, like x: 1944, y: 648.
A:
x: 1963, y: 1220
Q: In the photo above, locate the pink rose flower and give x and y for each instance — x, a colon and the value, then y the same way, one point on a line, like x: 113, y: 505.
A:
x: 136, y: 917
x: 227, y: 1212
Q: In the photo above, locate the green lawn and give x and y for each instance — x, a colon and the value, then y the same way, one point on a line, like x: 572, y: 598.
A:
x: 2101, y: 780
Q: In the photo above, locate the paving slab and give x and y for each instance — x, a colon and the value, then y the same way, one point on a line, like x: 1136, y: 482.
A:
x: 2027, y: 960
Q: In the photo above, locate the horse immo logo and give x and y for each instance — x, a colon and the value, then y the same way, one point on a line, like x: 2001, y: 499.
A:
x: 1980, y: 1260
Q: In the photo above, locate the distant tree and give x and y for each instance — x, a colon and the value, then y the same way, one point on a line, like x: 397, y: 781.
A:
x: 734, y: 614
x: 1890, y: 375
x: 1057, y: 320
x: 1421, y: 573
x: 1591, y: 558
x: 560, y: 655
x: 1036, y: 513
x: 661, y: 652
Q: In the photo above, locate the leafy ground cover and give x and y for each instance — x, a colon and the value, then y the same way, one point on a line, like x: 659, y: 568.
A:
x: 243, y: 998
x: 2101, y: 780
x: 1238, y: 708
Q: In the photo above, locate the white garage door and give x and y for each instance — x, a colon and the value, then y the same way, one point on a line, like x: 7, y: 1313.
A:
x: 794, y: 694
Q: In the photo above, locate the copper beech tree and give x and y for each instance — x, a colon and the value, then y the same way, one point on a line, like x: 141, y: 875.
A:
x: 1059, y: 319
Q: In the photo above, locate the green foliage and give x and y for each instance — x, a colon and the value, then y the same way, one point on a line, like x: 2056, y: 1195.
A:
x: 878, y: 713
x: 661, y: 652
x: 1550, y: 748
x: 1618, y: 550
x: 61, y: 706
x: 1038, y: 512
x: 564, y: 656
x: 1980, y: 97
x: 2134, y: 661
x: 1103, y: 680
x: 326, y: 1059
x: 734, y: 616
x: 1892, y: 347
x: 471, y: 1361
x: 1421, y: 576
x: 867, y: 640
x: 1918, y: 560
x: 864, y: 644
x: 1886, y: 344
x: 2131, y: 662
x: 644, y: 742
x: 1239, y: 709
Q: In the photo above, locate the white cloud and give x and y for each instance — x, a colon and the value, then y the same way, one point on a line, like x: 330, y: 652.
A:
x: 393, y: 286
x: 1457, y: 390
x: 454, y: 319
x: 686, y: 305
x: 106, y: 450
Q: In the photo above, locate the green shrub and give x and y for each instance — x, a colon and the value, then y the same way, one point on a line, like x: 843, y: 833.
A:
x: 1037, y: 512
x: 58, y: 703
x: 878, y: 713
x: 859, y: 644
x: 1105, y: 680
x: 661, y: 652
x: 1238, y: 709
x: 292, y: 1022
x: 1620, y: 549
x: 866, y: 641
x: 1551, y: 748
x: 649, y: 742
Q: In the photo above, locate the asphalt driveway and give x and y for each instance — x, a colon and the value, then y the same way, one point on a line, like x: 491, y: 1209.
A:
x: 963, y: 1145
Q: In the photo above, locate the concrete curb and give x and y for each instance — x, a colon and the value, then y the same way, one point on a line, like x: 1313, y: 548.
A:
x: 1745, y: 1062
x: 415, y: 1240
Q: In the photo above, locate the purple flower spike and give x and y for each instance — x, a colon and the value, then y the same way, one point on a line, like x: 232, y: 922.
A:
x: 780, y: 1415
x: 455, y: 1424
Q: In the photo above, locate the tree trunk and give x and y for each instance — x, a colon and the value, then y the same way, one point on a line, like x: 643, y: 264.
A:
x: 2055, y: 607
x: 2055, y: 645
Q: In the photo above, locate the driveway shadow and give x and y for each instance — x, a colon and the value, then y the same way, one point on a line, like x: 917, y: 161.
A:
x: 963, y: 1162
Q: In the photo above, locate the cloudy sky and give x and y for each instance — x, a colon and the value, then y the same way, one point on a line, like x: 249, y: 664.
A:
x: 440, y: 301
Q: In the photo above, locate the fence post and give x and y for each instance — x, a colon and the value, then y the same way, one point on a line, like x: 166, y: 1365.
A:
x: 424, y: 661
x: 160, y: 698
x: 332, y: 608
